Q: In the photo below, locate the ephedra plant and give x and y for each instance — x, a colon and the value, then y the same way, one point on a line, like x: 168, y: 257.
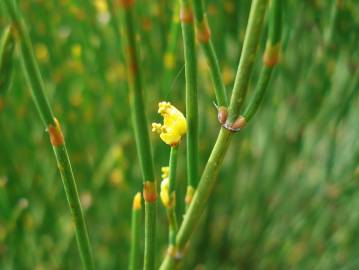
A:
x: 232, y: 118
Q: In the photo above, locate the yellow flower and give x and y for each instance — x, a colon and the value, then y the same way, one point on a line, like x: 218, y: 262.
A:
x: 174, y: 124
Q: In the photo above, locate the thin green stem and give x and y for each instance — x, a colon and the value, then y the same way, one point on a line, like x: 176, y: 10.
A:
x: 135, y: 233
x: 7, y: 49
x: 204, y: 37
x: 247, y: 58
x: 171, y: 210
x: 140, y: 126
x: 36, y: 85
x: 188, y: 36
x: 270, y: 59
x: 258, y: 95
x: 169, y: 61
x: 216, y: 158
x: 171, y: 207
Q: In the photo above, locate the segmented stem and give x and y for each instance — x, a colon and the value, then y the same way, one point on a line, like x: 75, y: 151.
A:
x: 270, y: 58
x: 36, y: 85
x: 135, y: 233
x: 186, y: 17
x: 246, y: 62
x: 204, y: 38
x: 140, y: 126
x: 215, y: 160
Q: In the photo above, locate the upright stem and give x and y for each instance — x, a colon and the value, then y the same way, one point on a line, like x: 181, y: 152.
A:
x: 171, y: 207
x: 215, y: 160
x: 169, y: 61
x: 204, y: 38
x: 36, y: 85
x: 7, y: 49
x: 270, y: 58
x: 135, y: 233
x: 140, y: 126
x: 247, y: 59
x: 186, y: 17
x: 171, y: 210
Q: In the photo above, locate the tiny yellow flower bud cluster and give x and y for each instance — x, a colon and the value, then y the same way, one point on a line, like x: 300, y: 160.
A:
x: 174, y: 124
x: 164, y: 194
x: 165, y: 172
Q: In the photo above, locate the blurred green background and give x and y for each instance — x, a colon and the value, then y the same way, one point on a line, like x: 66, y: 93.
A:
x: 287, y: 195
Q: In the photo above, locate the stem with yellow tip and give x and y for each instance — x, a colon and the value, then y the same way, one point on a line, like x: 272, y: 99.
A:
x: 135, y: 233
x: 188, y: 35
x: 140, y: 127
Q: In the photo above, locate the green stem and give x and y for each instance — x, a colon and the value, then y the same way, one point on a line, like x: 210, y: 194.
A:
x: 36, y: 85
x: 68, y: 179
x: 135, y: 233
x: 215, y: 160
x: 270, y: 59
x: 171, y: 208
x: 7, y: 49
x: 258, y: 95
x: 247, y: 59
x: 171, y: 211
x: 191, y: 90
x: 140, y: 126
x: 169, y: 61
x: 204, y: 37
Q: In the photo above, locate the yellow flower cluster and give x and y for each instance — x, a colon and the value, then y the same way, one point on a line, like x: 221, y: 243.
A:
x: 174, y: 124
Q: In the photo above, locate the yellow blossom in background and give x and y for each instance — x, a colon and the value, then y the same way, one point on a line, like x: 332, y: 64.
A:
x: 101, y: 6
x: 41, y: 52
x: 174, y: 124
x: 76, y: 50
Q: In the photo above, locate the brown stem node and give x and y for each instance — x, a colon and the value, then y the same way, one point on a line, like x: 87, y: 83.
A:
x: 271, y: 55
x: 126, y: 3
x: 186, y: 15
x: 56, y: 135
x: 149, y: 191
x: 203, y: 31
x: 189, y: 195
x: 237, y: 125
x: 222, y: 114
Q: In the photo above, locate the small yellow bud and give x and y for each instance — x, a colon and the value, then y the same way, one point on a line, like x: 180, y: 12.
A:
x: 137, y: 201
x: 165, y: 172
x: 174, y: 124
x: 164, y: 194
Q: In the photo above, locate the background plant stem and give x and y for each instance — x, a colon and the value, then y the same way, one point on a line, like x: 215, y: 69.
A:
x: 210, y: 54
x: 36, y: 84
x: 191, y: 91
x: 140, y: 127
x: 135, y: 233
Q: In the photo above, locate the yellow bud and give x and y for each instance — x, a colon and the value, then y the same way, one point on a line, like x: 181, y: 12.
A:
x: 165, y: 198
x: 165, y: 172
x: 137, y: 201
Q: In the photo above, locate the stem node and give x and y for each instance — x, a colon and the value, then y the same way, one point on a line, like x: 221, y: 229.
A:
x: 56, y: 135
x: 149, y: 192
x: 186, y: 15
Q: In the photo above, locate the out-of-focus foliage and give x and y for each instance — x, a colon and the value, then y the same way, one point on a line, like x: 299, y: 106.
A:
x: 287, y: 196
